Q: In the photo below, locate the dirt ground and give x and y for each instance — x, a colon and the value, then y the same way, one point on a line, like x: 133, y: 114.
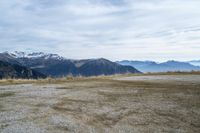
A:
x: 134, y: 104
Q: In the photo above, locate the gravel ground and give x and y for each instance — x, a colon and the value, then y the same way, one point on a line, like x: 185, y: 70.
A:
x: 169, y: 103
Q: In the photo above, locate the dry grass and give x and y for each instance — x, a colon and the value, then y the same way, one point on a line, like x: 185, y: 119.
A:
x: 105, y: 104
x: 174, y: 73
x: 120, y: 96
x: 50, y: 80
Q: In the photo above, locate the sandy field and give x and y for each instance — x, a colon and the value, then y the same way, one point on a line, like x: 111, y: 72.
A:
x: 132, y: 104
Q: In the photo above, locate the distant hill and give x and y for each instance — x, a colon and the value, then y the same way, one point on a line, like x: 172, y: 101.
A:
x: 57, y: 66
x: 104, y: 67
x: 8, y: 70
x: 195, y: 62
x: 151, y: 66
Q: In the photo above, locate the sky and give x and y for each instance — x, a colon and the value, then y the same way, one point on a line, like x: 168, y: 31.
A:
x: 156, y: 30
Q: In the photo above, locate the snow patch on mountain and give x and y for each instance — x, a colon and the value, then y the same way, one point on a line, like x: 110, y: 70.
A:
x: 18, y: 54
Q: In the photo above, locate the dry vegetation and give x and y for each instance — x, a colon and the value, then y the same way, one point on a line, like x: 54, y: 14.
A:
x: 101, y: 104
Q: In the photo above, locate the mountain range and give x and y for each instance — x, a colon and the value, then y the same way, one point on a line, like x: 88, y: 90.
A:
x: 151, y: 66
x: 56, y: 66
x: 40, y: 65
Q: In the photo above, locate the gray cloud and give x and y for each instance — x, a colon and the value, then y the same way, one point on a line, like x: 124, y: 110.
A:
x: 114, y: 29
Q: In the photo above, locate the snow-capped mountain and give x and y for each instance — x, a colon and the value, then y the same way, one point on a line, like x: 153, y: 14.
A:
x: 17, y: 54
x: 55, y: 66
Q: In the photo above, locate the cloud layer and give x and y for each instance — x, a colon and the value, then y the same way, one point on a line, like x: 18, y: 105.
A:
x: 113, y: 29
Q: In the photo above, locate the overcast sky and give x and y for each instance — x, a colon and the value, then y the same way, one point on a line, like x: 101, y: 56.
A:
x: 115, y: 29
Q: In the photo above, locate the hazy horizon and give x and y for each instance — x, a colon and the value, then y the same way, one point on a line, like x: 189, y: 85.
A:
x: 112, y: 29
x: 13, y: 52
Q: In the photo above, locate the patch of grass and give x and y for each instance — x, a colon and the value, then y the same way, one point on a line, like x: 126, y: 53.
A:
x: 61, y: 106
x: 6, y: 94
x: 1, y: 107
x: 64, y: 88
x: 113, y: 96
x: 175, y: 73
x: 109, y: 120
x: 75, y: 100
x: 17, y: 81
x: 2, y: 126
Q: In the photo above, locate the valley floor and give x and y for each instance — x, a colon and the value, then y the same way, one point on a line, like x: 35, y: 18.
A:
x: 148, y: 103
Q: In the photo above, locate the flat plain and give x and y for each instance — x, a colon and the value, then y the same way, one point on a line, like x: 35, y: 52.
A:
x: 118, y: 104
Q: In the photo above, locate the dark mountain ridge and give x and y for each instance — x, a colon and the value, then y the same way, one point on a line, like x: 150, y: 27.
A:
x: 104, y: 67
x: 56, y: 66
x: 8, y: 70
